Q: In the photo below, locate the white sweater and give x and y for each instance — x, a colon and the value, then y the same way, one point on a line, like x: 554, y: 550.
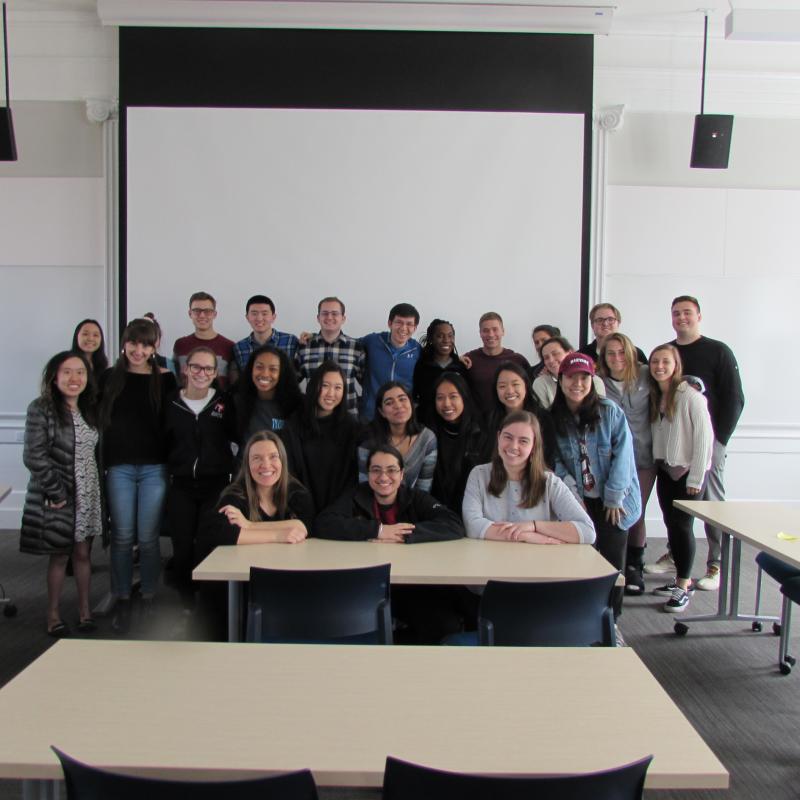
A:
x: 688, y: 439
x: 481, y: 509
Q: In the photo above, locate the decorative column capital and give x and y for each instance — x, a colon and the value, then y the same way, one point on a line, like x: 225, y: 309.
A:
x: 610, y: 118
x: 101, y: 109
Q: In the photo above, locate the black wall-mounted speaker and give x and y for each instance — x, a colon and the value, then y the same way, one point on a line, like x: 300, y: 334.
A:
x: 711, y: 143
x: 8, y: 144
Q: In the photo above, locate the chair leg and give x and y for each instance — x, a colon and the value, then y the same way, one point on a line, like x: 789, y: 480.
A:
x: 785, y: 661
x: 758, y: 592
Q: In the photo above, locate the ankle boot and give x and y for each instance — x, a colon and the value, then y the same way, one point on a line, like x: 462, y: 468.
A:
x: 634, y: 577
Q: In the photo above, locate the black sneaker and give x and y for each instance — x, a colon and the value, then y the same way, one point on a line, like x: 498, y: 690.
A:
x: 668, y: 588
x: 678, y: 602
x: 121, y: 621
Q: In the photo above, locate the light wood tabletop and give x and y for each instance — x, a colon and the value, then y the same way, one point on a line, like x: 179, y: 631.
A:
x: 463, y: 561
x: 220, y: 711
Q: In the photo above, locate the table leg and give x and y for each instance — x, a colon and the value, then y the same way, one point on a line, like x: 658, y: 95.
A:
x: 234, y: 610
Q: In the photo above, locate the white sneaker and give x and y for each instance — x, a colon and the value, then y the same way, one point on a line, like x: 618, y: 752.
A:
x: 664, y: 563
x: 710, y: 581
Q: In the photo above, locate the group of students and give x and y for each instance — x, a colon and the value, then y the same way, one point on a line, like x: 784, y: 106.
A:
x: 433, y: 460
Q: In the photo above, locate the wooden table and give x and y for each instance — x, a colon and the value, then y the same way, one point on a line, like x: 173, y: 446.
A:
x: 758, y: 524
x: 466, y: 562
x: 214, y: 711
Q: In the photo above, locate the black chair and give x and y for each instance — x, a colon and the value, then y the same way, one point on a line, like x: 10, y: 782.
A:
x: 84, y: 782
x: 405, y: 781
x: 548, y: 614
x: 333, y: 606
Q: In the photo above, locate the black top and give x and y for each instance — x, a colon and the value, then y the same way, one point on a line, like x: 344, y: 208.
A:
x: 715, y: 363
x: 458, y: 451
x: 352, y: 517
x: 215, y: 530
x: 199, y: 446
x: 135, y: 434
x: 326, y: 463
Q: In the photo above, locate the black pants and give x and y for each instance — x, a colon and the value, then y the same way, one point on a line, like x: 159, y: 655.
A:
x: 611, y: 543
x: 680, y: 525
x: 187, y: 500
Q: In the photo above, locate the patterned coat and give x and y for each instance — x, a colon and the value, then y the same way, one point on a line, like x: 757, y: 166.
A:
x: 49, y: 455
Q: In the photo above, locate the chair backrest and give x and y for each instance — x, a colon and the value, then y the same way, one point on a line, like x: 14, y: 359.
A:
x: 336, y: 606
x: 84, y: 782
x: 405, y: 781
x: 552, y: 613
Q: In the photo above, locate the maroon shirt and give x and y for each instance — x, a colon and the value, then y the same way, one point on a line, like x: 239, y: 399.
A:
x: 481, y: 375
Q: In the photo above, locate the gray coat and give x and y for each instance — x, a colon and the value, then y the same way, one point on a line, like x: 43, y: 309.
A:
x: 49, y: 455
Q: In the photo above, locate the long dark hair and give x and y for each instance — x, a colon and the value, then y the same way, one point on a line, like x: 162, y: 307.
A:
x: 51, y: 395
x: 379, y: 427
x: 530, y: 403
x: 287, y: 393
x: 588, y: 413
x: 138, y: 331
x: 308, y: 418
x: 245, y: 487
x: 469, y: 418
x: 98, y: 361
x: 428, y: 348
x: 534, y: 477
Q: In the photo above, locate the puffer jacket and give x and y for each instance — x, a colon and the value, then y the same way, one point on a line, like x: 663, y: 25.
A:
x: 49, y: 454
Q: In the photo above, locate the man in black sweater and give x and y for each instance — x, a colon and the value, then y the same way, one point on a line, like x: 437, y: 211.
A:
x: 715, y: 363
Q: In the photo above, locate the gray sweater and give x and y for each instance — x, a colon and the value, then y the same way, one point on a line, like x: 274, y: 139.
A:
x: 481, y: 509
x: 635, y: 403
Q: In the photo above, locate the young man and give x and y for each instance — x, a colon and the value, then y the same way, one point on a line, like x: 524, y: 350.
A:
x: 203, y: 312
x: 330, y: 344
x: 539, y: 335
x: 605, y: 319
x: 483, y: 362
x: 391, y: 355
x: 714, y: 363
x: 260, y: 313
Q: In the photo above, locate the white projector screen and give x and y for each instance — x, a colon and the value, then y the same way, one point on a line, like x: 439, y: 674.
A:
x: 456, y: 212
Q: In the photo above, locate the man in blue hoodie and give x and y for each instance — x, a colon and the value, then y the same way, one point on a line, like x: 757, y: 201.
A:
x: 391, y: 355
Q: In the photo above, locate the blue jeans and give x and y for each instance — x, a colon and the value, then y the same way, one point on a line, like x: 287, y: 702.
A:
x: 136, y: 494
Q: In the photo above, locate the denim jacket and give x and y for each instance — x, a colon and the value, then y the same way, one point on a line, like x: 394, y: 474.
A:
x: 610, y: 447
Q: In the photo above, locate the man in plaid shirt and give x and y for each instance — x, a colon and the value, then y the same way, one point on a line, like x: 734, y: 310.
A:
x: 330, y: 344
x: 260, y: 313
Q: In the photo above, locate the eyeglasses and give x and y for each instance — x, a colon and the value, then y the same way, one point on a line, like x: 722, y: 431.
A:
x: 202, y: 312
x: 376, y: 472
x: 198, y: 369
x: 330, y: 313
x: 604, y: 320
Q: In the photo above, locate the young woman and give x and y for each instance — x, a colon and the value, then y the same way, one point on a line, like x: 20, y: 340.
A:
x: 553, y: 353
x: 320, y: 438
x: 132, y: 415
x: 267, y: 393
x: 88, y: 339
x: 516, y: 498
x: 199, y: 427
x: 63, y: 504
x: 460, y: 441
x: 162, y: 361
x: 264, y: 504
x: 438, y: 355
x: 595, y: 458
x: 386, y: 510
x: 395, y: 424
x: 513, y: 392
x: 627, y: 383
x: 682, y: 445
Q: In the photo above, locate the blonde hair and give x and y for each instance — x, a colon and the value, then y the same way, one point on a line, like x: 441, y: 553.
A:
x: 674, y: 382
x: 630, y: 373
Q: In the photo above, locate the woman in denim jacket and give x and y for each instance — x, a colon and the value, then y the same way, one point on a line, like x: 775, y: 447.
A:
x: 595, y: 458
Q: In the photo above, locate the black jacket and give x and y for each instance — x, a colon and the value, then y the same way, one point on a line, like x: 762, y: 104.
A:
x: 49, y: 454
x: 352, y: 517
x: 199, y: 446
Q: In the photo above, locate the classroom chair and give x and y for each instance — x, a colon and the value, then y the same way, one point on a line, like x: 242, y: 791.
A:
x: 334, y: 606
x: 405, y: 781
x: 788, y: 578
x: 85, y: 782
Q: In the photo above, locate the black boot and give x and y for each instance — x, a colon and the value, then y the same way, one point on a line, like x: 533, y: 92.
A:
x: 634, y: 577
x: 121, y: 621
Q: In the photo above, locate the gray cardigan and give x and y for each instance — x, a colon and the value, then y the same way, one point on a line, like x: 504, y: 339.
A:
x: 635, y: 403
x: 480, y: 509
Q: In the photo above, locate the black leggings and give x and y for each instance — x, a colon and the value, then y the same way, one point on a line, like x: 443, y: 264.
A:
x: 680, y: 525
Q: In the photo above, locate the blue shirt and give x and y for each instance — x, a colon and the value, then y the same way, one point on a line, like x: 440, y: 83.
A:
x: 385, y: 362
